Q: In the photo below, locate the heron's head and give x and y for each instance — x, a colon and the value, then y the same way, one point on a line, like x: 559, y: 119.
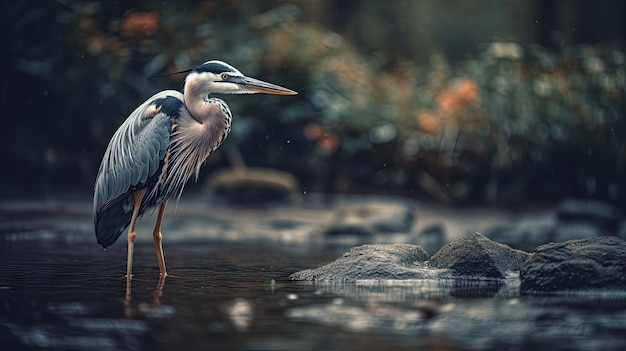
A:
x: 219, y: 77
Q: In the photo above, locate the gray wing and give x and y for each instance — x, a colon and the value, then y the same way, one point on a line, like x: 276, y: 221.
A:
x: 132, y: 161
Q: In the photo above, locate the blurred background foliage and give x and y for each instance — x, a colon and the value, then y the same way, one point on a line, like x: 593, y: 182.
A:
x: 466, y: 102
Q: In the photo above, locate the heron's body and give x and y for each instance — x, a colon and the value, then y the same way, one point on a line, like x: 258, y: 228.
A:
x: 140, y: 156
x: 160, y: 146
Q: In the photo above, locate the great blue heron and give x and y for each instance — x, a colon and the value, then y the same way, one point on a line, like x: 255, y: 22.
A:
x: 160, y: 146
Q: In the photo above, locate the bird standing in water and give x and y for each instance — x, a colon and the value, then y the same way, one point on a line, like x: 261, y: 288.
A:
x: 160, y: 146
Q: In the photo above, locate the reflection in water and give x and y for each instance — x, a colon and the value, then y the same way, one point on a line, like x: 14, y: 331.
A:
x: 371, y: 317
x: 158, y: 292
x: 240, y: 312
x: 415, y: 290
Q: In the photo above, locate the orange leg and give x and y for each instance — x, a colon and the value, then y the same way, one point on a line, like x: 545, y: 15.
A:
x: 158, y: 240
x: 138, y: 196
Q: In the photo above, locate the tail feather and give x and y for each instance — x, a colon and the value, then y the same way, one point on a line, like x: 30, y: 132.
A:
x: 111, y: 220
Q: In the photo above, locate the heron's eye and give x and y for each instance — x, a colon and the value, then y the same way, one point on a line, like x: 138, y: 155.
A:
x: 224, y: 76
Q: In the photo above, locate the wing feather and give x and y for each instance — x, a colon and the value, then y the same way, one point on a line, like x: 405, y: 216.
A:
x: 133, y: 160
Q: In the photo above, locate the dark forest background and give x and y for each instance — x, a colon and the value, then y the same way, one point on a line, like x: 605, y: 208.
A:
x: 504, y: 103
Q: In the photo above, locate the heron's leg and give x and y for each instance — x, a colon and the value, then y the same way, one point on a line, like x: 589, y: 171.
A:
x: 158, y: 239
x: 138, y: 196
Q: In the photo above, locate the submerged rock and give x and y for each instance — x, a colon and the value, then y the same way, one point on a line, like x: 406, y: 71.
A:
x: 576, y: 264
x: 476, y: 255
x: 378, y: 261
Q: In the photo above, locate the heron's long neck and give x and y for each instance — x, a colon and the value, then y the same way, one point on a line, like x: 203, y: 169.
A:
x: 195, y: 101
x: 212, y: 115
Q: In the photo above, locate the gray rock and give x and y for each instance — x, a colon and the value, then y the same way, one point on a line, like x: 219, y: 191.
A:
x: 478, y: 256
x: 576, y: 264
x: 377, y: 261
x: 471, y: 257
x: 373, y: 217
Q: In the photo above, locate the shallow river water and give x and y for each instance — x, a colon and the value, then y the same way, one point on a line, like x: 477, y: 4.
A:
x: 59, y: 290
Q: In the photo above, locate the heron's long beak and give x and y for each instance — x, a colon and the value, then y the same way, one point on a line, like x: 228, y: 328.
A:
x: 252, y: 85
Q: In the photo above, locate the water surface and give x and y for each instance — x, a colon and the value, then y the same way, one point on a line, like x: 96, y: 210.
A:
x: 59, y: 290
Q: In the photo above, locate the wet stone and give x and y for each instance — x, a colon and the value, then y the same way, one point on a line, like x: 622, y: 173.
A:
x: 595, y: 263
x: 477, y: 256
x: 377, y: 261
